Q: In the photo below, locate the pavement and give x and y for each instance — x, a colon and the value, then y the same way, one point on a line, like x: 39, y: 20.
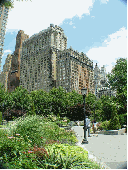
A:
x: 108, y: 150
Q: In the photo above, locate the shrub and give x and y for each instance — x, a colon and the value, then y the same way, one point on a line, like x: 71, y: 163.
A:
x: 0, y: 117
x: 114, y: 123
x: 64, y: 156
x: 104, y: 125
x: 19, y: 152
x: 39, y: 130
x: 41, y: 153
x: 123, y: 119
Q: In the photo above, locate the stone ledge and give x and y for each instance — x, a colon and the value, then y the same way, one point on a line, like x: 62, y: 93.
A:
x: 111, y: 132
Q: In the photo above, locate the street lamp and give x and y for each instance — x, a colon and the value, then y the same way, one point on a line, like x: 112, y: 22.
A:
x: 84, y: 92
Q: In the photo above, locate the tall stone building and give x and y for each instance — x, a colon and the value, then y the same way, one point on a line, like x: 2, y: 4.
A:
x: 3, y: 21
x: 14, y: 73
x: 5, y: 72
x: 100, y: 81
x: 46, y: 63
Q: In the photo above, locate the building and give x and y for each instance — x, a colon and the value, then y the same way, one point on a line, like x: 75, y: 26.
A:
x: 46, y: 63
x: 74, y: 71
x: 3, y: 21
x: 100, y: 83
x: 14, y: 72
x: 106, y: 91
x: 5, y: 72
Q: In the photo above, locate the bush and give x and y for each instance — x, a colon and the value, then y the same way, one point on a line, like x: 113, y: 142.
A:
x: 0, y: 117
x: 64, y: 156
x: 39, y: 130
x: 123, y: 119
x: 114, y: 123
x: 21, y: 151
x: 104, y: 125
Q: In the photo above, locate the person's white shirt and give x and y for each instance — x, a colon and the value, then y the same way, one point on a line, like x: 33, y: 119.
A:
x: 87, y: 122
x: 95, y: 124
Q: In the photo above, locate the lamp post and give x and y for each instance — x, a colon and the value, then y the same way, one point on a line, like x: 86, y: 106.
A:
x: 84, y: 92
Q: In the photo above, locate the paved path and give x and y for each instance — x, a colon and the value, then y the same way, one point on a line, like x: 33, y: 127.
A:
x: 111, y: 150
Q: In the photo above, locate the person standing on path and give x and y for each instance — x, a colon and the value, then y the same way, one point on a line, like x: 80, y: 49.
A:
x: 89, y: 128
x: 94, y: 126
x: 78, y: 123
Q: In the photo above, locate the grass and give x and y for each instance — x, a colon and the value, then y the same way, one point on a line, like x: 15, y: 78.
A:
x: 35, y: 142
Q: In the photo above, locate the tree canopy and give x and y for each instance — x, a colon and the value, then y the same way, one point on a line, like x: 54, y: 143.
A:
x: 117, y: 79
x: 9, y: 3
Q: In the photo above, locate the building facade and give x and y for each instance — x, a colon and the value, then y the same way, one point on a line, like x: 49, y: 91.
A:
x: 100, y: 82
x: 5, y: 72
x: 3, y: 21
x: 46, y: 63
x: 14, y: 72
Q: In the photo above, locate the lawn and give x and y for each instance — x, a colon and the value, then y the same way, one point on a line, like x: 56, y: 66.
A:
x: 35, y: 142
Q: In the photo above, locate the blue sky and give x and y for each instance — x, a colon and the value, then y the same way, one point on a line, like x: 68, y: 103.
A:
x: 95, y: 27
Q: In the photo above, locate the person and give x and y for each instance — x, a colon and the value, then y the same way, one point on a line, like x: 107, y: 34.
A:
x: 89, y: 128
x: 94, y: 126
x: 78, y: 123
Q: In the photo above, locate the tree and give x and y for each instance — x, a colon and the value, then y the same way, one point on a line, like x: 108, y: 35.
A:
x: 3, y: 93
x: 41, y: 101
x: 17, y: 102
x: 58, y: 100
x: 117, y: 79
x: 76, y: 112
x: 114, y: 121
x: 73, y: 98
x: 8, y: 3
x: 91, y: 103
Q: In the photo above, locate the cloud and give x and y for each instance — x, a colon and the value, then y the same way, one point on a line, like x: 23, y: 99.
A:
x: 37, y: 15
x: 12, y: 31
x: 104, y: 1
x: 74, y: 27
x: 93, y: 17
x: 7, y: 51
x: 113, y: 48
x: 70, y: 23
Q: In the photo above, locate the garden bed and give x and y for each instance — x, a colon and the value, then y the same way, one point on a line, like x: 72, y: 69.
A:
x: 32, y: 143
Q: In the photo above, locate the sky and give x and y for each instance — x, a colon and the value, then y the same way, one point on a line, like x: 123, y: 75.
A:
x: 96, y: 27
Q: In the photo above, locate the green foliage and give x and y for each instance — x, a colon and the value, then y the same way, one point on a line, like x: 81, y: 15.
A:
x: 118, y: 76
x: 118, y: 81
x: 114, y: 122
x: 107, y: 108
x: 17, y: 103
x: 104, y: 125
x: 66, y: 149
x: 73, y: 98
x: 19, y: 148
x: 91, y: 102
x: 40, y: 130
x: 8, y: 4
x: 58, y: 100
x: 123, y: 119
x: 41, y: 102
x: 0, y: 117
x: 77, y: 112
x: 3, y: 93
x: 64, y: 156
